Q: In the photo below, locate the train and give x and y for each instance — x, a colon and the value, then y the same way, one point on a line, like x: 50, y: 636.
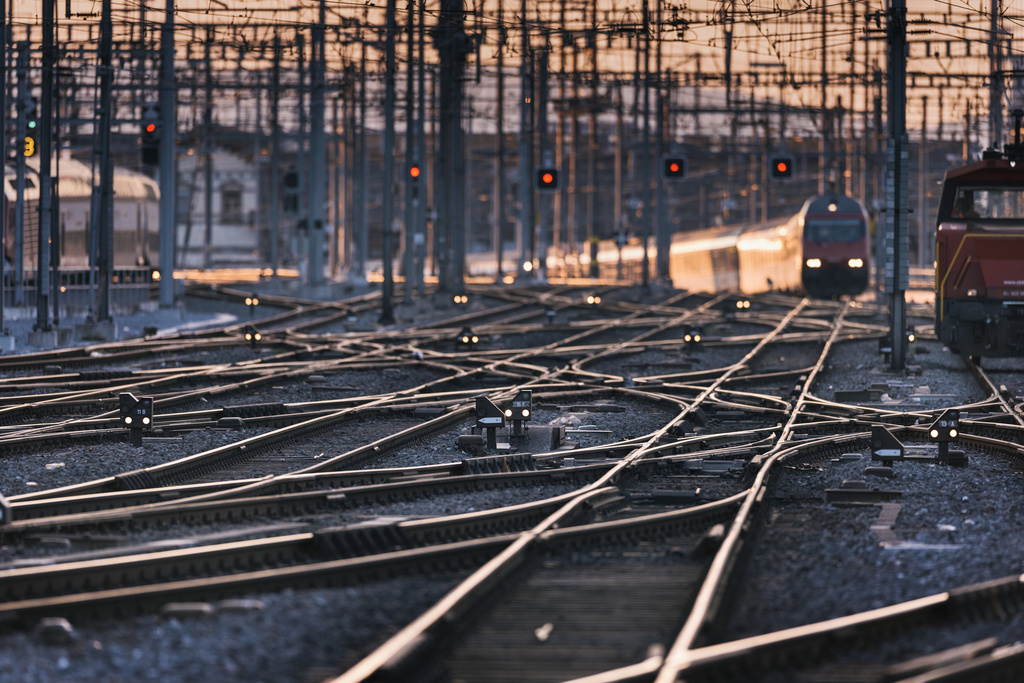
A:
x: 136, y: 216
x: 979, y: 249
x: 823, y: 251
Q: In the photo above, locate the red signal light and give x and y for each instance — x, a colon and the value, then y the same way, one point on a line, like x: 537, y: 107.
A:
x: 547, y: 178
x: 673, y: 167
x: 150, y: 127
x: 781, y: 167
x: 414, y: 172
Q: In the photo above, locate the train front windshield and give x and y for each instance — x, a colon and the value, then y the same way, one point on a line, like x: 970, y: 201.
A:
x: 989, y: 202
x: 834, y: 230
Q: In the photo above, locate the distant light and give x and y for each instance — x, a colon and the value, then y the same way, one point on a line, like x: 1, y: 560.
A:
x: 528, y: 266
x: 156, y: 276
x: 814, y: 263
x: 508, y: 279
x: 855, y: 263
x: 832, y: 207
x: 911, y: 337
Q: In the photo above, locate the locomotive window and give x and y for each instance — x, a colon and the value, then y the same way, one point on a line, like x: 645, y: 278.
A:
x: 839, y: 230
x: 989, y: 202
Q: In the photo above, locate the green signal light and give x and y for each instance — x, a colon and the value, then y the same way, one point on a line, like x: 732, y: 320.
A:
x: 31, y: 124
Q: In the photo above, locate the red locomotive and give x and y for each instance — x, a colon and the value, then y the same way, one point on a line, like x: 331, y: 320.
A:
x: 979, y: 258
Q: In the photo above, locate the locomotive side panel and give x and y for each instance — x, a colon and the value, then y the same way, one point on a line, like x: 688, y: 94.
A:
x: 979, y: 306
x: 979, y: 246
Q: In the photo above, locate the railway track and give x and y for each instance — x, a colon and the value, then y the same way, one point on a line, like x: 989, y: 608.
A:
x: 623, y: 538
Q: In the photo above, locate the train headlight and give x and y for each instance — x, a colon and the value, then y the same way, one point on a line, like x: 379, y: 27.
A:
x: 813, y: 263
x: 855, y: 263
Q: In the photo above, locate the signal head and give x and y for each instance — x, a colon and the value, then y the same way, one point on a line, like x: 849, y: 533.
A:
x: 673, y: 168
x: 547, y: 178
x: 781, y: 167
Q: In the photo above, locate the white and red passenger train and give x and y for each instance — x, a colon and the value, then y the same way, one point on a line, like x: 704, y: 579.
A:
x: 823, y: 250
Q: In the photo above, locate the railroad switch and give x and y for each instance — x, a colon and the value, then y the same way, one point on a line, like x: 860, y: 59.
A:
x: 471, y: 444
x: 136, y: 416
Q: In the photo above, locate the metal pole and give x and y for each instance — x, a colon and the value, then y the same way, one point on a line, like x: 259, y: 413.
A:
x: 387, y: 316
x: 896, y: 183
x: 421, y: 152
x: 105, y: 222
x: 922, y: 182
x: 525, y: 148
x: 825, y: 161
x: 995, y: 88
x: 412, y: 185
x: 317, y: 154
x: 645, y: 172
x: 168, y: 168
x: 362, y: 236
x: 662, y: 231
x: 275, y: 157
x: 207, y: 157
x: 498, y: 203
x: 24, y: 95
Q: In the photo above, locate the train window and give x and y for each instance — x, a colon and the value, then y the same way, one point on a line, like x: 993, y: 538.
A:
x: 834, y: 230
x: 989, y: 202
